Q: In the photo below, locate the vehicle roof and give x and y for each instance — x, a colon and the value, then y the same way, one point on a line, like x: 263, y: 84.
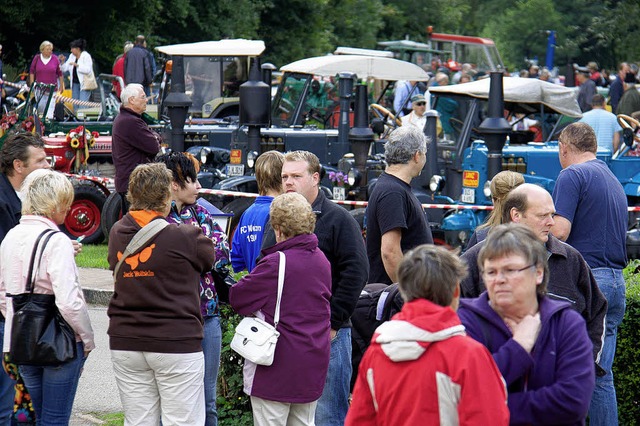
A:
x: 363, y: 66
x: 344, y: 50
x: 409, y: 45
x: 231, y: 47
x: 522, y: 91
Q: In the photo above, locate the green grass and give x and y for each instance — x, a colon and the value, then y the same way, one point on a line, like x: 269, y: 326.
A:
x: 111, y: 419
x: 93, y: 256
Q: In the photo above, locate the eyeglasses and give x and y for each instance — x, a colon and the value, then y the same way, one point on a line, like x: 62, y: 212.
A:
x: 421, y: 103
x: 509, y: 273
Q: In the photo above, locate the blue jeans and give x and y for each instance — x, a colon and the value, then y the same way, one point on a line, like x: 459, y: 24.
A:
x: 604, y: 410
x: 77, y: 93
x: 7, y: 390
x: 334, y: 402
x: 53, y: 389
x: 211, y: 346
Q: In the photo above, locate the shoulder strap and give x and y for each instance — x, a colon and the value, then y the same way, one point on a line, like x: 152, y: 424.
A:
x: 283, y: 261
x: 30, y: 278
x: 142, y: 237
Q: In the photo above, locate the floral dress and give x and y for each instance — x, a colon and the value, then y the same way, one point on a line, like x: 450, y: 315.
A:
x: 197, y: 215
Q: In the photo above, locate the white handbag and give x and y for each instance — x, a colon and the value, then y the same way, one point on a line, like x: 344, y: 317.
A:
x: 255, y: 339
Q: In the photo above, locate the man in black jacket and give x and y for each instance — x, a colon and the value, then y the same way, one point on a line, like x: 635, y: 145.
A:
x: 137, y: 65
x: 340, y: 239
x: 570, y: 278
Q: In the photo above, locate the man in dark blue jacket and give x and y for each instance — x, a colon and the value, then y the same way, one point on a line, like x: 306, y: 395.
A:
x: 137, y: 65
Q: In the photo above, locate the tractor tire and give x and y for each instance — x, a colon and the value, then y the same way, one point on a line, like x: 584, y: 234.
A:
x: 111, y: 212
x: 83, y: 218
x: 237, y: 207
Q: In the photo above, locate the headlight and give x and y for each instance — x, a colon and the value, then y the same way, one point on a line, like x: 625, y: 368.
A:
x: 436, y: 183
x: 251, y: 159
x: 486, y: 190
x: 204, y: 153
x: 353, y: 176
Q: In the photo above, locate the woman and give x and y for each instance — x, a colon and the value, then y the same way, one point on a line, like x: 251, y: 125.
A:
x: 45, y: 68
x: 540, y: 345
x: 79, y: 65
x: 184, y: 209
x: 47, y: 197
x: 501, y: 185
x: 287, y: 391
x: 155, y: 325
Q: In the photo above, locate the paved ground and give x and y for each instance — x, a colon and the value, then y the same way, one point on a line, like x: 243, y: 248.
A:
x: 97, y: 390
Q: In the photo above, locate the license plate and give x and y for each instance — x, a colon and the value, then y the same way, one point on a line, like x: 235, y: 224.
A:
x: 339, y: 193
x: 468, y: 196
x: 235, y: 169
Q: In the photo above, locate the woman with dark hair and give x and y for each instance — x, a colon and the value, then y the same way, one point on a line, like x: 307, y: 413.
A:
x: 79, y: 65
x: 185, y: 209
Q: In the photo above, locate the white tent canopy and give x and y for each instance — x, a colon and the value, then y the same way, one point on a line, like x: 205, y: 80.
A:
x: 554, y: 97
x: 375, y: 67
x: 231, y: 47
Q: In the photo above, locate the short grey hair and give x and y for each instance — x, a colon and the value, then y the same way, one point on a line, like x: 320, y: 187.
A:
x: 403, y: 143
x: 130, y: 91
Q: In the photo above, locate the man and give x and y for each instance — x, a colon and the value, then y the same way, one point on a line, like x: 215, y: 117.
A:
x: 340, y: 239
x: 402, y: 97
x: 133, y: 141
x: 395, y: 219
x: 421, y: 367
x: 570, y: 279
x: 592, y: 217
x: 630, y: 100
x: 617, y: 87
x: 21, y: 154
x: 247, y: 240
x: 604, y: 124
x: 137, y: 66
x: 416, y: 117
x: 446, y: 107
x: 587, y: 89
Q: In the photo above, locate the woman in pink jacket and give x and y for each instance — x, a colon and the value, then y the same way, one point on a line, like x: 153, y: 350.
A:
x: 46, y: 198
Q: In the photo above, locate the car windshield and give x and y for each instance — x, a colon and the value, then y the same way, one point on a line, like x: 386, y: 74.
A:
x: 208, y: 79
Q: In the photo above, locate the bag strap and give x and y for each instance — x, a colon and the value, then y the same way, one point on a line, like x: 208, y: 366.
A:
x: 283, y: 261
x: 142, y: 237
x: 49, y: 233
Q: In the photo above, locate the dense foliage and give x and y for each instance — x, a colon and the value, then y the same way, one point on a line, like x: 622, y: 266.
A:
x: 627, y: 359
x: 292, y: 29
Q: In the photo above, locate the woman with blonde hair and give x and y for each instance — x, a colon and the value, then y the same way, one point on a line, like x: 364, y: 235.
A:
x: 501, y: 185
x: 45, y: 68
x: 287, y: 391
x: 46, y: 199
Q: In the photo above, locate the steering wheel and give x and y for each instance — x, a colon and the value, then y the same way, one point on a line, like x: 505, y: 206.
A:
x: 630, y: 126
x: 390, y: 120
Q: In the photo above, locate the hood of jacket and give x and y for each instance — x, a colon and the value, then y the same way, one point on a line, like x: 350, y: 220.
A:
x: 420, y: 323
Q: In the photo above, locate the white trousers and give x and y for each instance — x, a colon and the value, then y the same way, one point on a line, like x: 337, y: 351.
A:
x: 154, y: 385
x: 273, y: 413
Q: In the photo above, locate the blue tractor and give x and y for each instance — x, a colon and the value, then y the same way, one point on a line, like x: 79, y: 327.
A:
x: 466, y: 168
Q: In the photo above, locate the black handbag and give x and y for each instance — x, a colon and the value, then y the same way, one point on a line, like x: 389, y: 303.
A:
x: 39, y: 334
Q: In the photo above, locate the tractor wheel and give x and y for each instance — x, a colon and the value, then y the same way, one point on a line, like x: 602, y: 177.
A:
x: 111, y: 212
x: 83, y: 218
x: 237, y: 207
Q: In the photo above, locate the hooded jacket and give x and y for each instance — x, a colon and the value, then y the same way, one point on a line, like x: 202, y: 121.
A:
x: 409, y: 375
x: 552, y: 384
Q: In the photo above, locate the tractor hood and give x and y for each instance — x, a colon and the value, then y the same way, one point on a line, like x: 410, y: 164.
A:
x: 521, y: 94
x: 375, y: 67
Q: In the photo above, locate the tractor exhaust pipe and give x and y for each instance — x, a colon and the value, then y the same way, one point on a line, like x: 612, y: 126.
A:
x: 495, y: 127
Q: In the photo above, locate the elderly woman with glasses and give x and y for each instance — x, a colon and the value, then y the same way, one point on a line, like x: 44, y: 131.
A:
x: 540, y: 345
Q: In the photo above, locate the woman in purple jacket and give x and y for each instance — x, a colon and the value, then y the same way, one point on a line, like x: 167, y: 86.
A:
x: 289, y: 389
x: 540, y: 345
